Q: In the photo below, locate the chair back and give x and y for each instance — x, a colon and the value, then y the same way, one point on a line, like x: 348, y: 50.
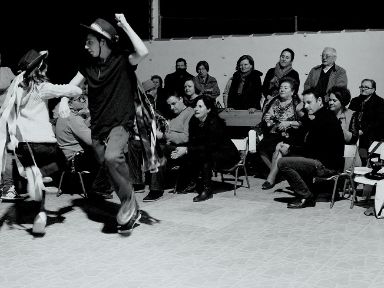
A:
x: 351, y: 156
x: 243, y: 148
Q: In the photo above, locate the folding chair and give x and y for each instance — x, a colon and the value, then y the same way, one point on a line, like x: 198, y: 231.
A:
x: 350, y: 151
x: 74, y: 168
x: 243, y: 148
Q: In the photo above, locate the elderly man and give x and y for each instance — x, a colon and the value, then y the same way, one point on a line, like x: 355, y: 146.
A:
x: 322, y: 152
x: 327, y: 75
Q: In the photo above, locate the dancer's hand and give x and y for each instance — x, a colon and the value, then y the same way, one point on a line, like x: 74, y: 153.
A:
x: 121, y: 21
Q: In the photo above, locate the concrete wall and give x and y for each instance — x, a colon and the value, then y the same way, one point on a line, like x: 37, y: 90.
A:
x: 361, y: 53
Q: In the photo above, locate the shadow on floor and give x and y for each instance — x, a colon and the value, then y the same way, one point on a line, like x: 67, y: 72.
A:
x: 104, y: 211
x: 24, y: 212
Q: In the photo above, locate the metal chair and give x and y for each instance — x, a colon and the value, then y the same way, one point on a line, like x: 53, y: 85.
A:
x: 243, y: 148
x: 74, y: 168
x: 350, y: 151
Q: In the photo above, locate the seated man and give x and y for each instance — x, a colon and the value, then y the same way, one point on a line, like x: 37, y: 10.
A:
x: 73, y: 136
x: 172, y: 134
x: 322, y: 151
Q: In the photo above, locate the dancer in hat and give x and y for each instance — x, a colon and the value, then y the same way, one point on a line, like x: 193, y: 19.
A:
x: 115, y: 103
x: 25, y: 121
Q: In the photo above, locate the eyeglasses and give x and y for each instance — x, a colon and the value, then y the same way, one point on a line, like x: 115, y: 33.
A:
x: 365, y: 87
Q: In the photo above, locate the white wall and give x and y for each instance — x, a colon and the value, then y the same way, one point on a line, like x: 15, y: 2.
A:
x: 360, y: 53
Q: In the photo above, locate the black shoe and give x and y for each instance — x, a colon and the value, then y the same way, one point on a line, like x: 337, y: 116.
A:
x: 266, y: 185
x: 138, y: 188
x: 153, y: 195
x: 191, y: 187
x: 127, y: 228
x: 306, y: 202
x: 205, y: 195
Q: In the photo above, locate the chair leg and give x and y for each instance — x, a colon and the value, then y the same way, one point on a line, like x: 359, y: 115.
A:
x: 353, y: 198
x: 236, y: 173
x: 246, y: 177
x: 334, y: 192
x: 59, y: 192
x: 82, y: 185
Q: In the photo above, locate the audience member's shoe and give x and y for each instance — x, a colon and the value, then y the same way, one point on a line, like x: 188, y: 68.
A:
x: 126, y: 229
x: 205, y: 195
x: 191, y: 187
x: 153, y: 195
x: 202, y: 197
x: 267, y: 185
x: 39, y: 224
x: 11, y: 194
x: 303, y: 203
x: 139, y: 188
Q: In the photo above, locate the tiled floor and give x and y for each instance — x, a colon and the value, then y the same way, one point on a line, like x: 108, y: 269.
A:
x: 251, y: 240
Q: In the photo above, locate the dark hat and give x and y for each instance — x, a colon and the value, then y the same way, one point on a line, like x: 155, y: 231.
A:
x: 148, y: 85
x: 102, y: 28
x: 31, y: 60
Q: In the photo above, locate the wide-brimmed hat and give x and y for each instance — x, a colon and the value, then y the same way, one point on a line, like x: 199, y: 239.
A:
x: 31, y: 60
x: 102, y: 28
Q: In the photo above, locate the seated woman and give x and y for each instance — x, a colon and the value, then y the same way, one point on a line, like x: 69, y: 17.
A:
x: 31, y: 134
x: 282, y: 69
x: 209, y: 147
x: 339, y: 98
x: 190, y: 92
x: 280, y: 120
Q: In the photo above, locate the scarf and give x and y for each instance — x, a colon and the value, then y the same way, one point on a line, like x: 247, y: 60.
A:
x: 279, y: 73
x: 243, y: 77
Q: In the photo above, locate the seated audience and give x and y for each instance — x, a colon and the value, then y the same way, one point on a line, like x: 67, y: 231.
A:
x: 283, y: 68
x: 339, y: 98
x: 280, y: 120
x: 321, y: 155
x: 175, y: 81
x: 209, y: 147
x: 190, y: 92
x: 205, y: 83
x: 73, y: 137
x: 370, y: 108
x: 174, y: 134
x: 246, y: 91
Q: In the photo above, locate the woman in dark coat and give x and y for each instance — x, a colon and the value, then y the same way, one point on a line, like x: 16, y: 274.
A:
x: 282, y: 69
x: 209, y: 147
x: 245, y: 92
